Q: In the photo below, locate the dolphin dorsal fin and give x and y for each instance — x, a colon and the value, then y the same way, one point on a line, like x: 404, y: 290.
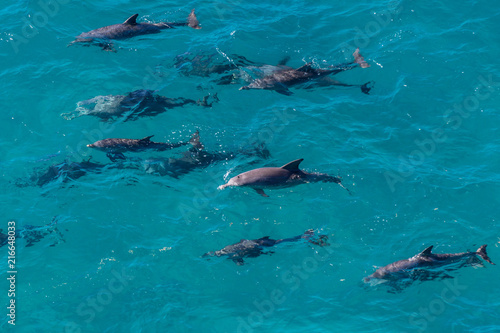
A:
x: 306, y: 68
x: 265, y: 237
x: 427, y: 251
x: 292, y: 166
x: 131, y: 20
x: 146, y: 138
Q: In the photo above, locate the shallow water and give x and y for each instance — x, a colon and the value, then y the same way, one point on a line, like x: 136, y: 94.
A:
x: 420, y: 154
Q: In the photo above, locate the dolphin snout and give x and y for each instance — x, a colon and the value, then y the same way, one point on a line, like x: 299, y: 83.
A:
x: 221, y: 187
x: 91, y: 145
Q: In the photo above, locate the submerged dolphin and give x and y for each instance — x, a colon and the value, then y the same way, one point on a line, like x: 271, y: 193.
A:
x: 422, y: 261
x: 204, y: 64
x: 136, y: 104
x: 64, y: 172
x: 34, y: 234
x: 247, y: 248
x: 285, y: 176
x: 195, y: 158
x: 128, y: 29
x: 116, y: 147
x: 285, y: 77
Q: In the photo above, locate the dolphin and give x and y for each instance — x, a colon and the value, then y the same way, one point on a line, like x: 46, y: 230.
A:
x: 195, y: 158
x: 128, y: 29
x: 66, y: 171
x: 204, y: 64
x: 34, y: 234
x: 247, y: 248
x: 136, y: 104
x: 286, y: 176
x: 116, y: 147
x: 409, y: 268
x: 285, y: 77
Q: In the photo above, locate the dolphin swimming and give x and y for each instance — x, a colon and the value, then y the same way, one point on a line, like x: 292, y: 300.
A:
x: 136, y: 104
x: 247, y: 248
x: 63, y: 172
x: 128, y: 29
x: 195, y: 158
x: 417, y: 266
x: 33, y: 234
x: 285, y: 77
x: 286, y: 176
x: 205, y: 64
x: 116, y: 147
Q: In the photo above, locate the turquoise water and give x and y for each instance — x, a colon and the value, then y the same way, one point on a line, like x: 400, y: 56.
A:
x: 420, y: 154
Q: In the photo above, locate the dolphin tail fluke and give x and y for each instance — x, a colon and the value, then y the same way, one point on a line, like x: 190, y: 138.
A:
x: 358, y: 58
x: 365, y: 88
x: 482, y: 253
x: 321, y: 240
x: 193, y: 20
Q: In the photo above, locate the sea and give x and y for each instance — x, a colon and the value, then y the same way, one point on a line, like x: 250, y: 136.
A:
x: 102, y: 246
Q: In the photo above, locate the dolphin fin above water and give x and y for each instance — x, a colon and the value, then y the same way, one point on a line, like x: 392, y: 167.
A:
x: 482, y: 253
x: 146, y: 139
x: 193, y: 21
x: 427, y: 251
x: 293, y: 166
x: 131, y: 20
x: 359, y: 59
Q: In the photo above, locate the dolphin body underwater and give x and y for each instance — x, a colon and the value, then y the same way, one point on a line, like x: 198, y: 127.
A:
x: 420, y: 266
x: 64, y: 172
x: 197, y: 158
x: 251, y: 248
x: 128, y: 29
x: 34, y: 234
x: 130, y: 107
x: 286, y: 176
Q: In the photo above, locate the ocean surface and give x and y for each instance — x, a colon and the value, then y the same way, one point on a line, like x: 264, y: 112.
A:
x: 123, y: 247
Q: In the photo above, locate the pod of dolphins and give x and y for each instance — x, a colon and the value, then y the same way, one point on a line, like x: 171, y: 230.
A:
x: 280, y: 78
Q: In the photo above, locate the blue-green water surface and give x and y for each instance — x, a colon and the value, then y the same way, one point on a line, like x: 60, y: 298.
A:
x: 420, y: 155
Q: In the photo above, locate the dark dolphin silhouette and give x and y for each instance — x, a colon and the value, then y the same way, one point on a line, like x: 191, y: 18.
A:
x: 285, y: 77
x: 34, y: 234
x: 65, y: 172
x: 419, y: 267
x: 139, y: 103
x: 116, y: 147
x: 128, y: 29
x: 247, y: 248
x: 204, y: 64
x: 286, y: 176
x: 195, y: 158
